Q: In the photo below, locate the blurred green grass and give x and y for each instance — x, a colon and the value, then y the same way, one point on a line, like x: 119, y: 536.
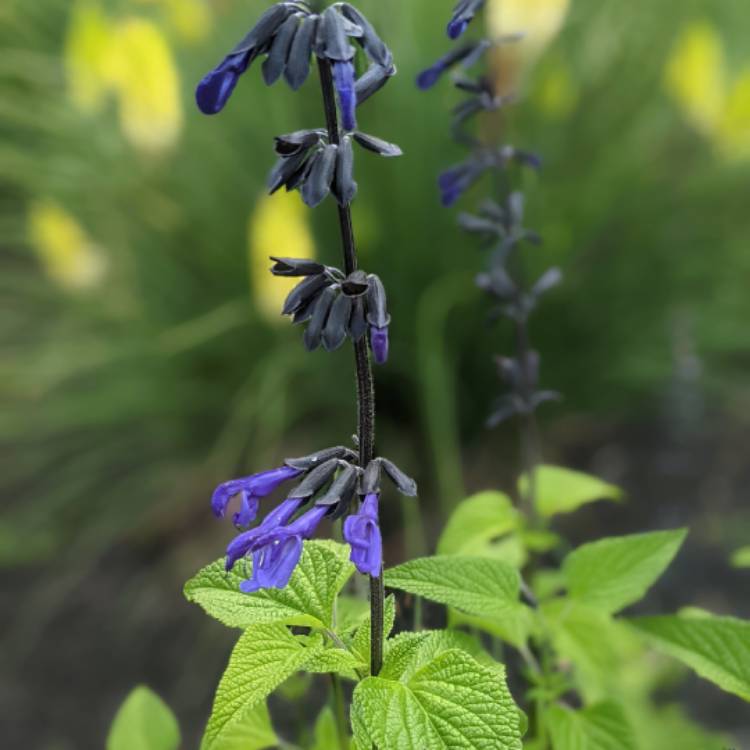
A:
x: 125, y: 401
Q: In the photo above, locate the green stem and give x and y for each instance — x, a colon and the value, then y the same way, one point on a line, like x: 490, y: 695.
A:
x: 342, y: 723
x: 365, y: 380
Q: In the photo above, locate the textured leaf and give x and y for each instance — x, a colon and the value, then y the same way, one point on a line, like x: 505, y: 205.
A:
x: 452, y: 703
x: 600, y: 727
x: 263, y: 658
x: 144, y: 722
x: 476, y: 521
x: 560, y: 490
x: 409, y: 652
x: 475, y: 585
x: 361, y: 642
x: 717, y: 648
x: 612, y: 573
x: 307, y: 600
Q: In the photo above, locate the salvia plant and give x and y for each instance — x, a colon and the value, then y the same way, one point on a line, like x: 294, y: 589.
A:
x: 514, y: 595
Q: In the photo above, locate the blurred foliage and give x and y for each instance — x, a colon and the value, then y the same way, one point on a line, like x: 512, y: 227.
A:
x: 138, y: 368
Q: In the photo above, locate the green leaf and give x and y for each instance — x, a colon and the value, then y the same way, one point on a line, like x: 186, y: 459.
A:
x: 360, y: 645
x: 252, y: 732
x: 600, y: 727
x: 612, y: 573
x: 475, y: 585
x: 717, y: 648
x: 350, y: 612
x: 741, y: 557
x: 336, y: 661
x: 451, y: 703
x: 409, y: 652
x: 560, y: 490
x: 592, y: 642
x: 476, y: 521
x: 307, y: 600
x: 514, y: 627
x: 263, y: 658
x: 144, y: 722
x: 326, y: 736
x: 669, y: 727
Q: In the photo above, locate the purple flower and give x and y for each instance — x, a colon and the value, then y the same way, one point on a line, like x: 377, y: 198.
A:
x: 463, y: 14
x: 362, y: 532
x: 428, y: 78
x: 245, y: 543
x: 343, y: 78
x: 251, y: 488
x: 453, y: 182
x: 214, y: 90
x: 276, y: 551
x: 379, y: 343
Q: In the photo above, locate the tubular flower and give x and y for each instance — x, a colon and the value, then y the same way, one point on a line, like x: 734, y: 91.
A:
x: 465, y: 55
x: 362, y: 532
x: 330, y: 480
x: 343, y: 77
x: 276, y: 551
x: 462, y: 16
x: 250, y: 488
x: 289, y: 34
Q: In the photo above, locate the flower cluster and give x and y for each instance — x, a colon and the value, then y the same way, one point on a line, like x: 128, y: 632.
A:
x: 308, y: 162
x: 499, y: 222
x: 329, y: 481
x: 336, y: 306
x: 289, y: 34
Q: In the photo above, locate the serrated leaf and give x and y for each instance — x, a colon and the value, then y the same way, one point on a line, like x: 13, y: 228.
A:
x: 263, y: 658
x: 475, y: 585
x: 452, y: 703
x: 600, y: 727
x: 612, y: 573
x: 361, y: 642
x: 308, y: 599
x: 476, y: 521
x: 409, y: 652
x: 717, y: 648
x: 144, y: 722
x: 253, y: 732
x: 560, y: 490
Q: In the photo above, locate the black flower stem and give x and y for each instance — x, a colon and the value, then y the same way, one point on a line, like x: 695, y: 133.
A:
x: 365, y: 381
